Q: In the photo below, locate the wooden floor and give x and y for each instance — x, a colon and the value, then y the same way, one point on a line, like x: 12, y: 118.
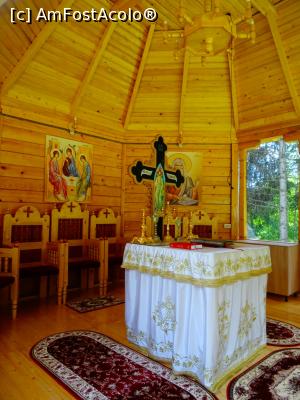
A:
x: 21, y: 378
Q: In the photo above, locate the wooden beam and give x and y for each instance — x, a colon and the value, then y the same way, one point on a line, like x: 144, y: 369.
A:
x: 233, y: 89
x: 264, y: 6
x: 139, y: 74
x: 99, y: 51
x: 32, y: 50
x: 185, y: 75
x: 243, y: 194
x: 284, y: 62
x: 234, y: 191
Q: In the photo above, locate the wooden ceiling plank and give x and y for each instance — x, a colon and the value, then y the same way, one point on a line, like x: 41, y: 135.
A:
x: 101, y: 47
x: 32, y: 51
x: 183, y: 91
x: 284, y: 62
x: 139, y: 74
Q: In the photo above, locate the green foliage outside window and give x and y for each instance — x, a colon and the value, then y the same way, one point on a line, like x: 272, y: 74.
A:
x: 264, y: 193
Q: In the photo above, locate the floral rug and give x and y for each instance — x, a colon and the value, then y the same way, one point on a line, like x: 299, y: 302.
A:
x: 282, y: 334
x: 275, y: 377
x: 95, y: 367
x: 94, y: 303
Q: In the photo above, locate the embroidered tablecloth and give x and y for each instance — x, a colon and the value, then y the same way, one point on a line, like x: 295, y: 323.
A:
x: 201, y: 310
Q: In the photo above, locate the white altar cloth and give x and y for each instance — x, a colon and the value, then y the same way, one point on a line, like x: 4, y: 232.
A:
x: 202, y: 310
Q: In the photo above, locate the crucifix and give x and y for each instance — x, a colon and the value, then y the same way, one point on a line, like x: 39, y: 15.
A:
x: 160, y: 176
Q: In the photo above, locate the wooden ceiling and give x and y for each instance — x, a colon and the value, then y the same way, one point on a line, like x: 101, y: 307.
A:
x: 127, y: 80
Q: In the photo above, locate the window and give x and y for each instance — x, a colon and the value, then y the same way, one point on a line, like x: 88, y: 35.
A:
x: 273, y: 191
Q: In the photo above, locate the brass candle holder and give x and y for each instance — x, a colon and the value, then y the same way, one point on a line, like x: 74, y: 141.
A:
x: 168, y: 238
x: 190, y: 235
x: 143, y: 239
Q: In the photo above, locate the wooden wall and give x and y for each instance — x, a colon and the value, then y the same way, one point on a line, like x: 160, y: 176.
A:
x: 22, y: 173
x: 215, y: 192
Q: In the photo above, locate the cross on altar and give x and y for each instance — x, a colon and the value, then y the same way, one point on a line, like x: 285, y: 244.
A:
x: 28, y: 211
x: 71, y: 207
x: 160, y: 176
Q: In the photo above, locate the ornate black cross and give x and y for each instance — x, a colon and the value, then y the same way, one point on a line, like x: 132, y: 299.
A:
x: 141, y: 171
x: 28, y: 211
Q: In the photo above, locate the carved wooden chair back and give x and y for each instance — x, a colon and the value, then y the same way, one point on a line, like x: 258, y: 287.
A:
x: 205, y: 226
x: 108, y: 225
x: 71, y: 224
x: 30, y: 232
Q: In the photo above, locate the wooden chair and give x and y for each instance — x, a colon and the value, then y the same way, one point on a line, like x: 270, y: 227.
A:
x: 30, y: 232
x: 9, y: 274
x: 107, y: 225
x: 71, y: 224
x: 204, y: 226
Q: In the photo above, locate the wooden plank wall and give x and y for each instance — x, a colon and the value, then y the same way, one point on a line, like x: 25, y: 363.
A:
x: 22, y: 172
x: 215, y: 192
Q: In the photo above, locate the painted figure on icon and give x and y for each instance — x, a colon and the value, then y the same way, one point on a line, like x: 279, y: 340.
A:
x: 56, y: 179
x: 85, y: 179
x: 69, y: 168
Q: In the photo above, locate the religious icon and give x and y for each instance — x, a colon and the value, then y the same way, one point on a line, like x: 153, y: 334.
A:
x: 68, y: 170
x: 189, y: 165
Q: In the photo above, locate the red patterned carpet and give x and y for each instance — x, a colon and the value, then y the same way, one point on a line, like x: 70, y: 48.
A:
x: 275, y: 377
x: 282, y: 334
x: 95, y: 367
x: 94, y: 303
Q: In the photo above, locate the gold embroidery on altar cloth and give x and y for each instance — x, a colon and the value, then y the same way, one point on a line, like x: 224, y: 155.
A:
x: 248, y: 316
x: 164, y: 315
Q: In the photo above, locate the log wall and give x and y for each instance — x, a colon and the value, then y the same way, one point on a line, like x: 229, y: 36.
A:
x: 22, y: 163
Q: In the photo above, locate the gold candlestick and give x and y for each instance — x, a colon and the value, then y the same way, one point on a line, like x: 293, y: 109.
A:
x: 143, y: 239
x: 190, y: 235
x: 168, y: 238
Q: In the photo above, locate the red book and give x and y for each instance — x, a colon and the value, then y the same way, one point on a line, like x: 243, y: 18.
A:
x: 186, y: 245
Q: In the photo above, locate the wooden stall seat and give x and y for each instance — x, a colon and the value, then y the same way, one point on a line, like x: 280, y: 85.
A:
x: 107, y: 225
x: 38, y: 258
x: 204, y: 226
x: 9, y: 274
x: 71, y: 224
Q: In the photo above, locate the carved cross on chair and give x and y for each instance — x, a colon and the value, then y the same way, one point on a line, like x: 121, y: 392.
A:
x: 201, y: 214
x: 28, y: 211
x: 106, y: 213
x: 71, y: 206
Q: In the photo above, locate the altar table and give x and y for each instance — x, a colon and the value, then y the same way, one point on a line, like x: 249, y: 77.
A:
x: 204, y: 311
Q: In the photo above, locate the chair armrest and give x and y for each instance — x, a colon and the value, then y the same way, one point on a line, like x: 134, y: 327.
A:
x: 10, y: 261
x: 57, y: 253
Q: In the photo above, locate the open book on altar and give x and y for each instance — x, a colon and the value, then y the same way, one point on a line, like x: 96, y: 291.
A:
x: 186, y: 245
